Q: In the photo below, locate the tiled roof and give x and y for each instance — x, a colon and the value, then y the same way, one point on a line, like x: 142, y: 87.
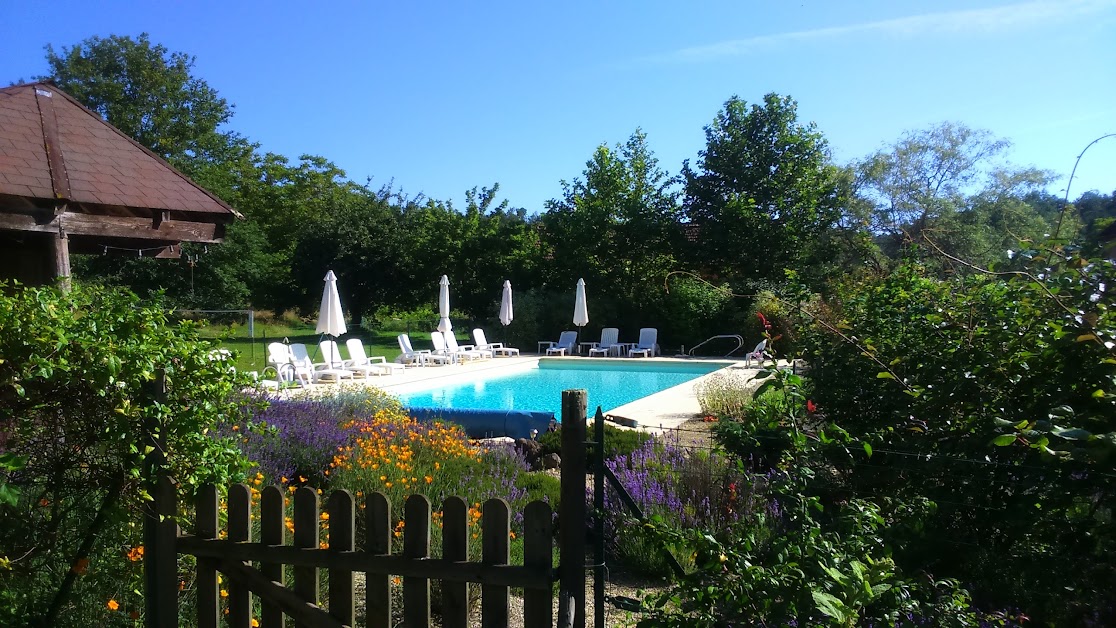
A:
x: 96, y: 163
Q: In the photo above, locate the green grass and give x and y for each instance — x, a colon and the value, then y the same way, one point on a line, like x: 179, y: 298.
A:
x: 251, y: 354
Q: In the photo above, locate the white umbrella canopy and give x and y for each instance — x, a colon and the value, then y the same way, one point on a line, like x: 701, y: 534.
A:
x: 506, y: 314
x: 331, y: 321
x: 444, y: 324
x: 581, y: 312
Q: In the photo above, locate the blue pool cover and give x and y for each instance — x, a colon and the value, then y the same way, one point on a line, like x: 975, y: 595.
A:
x: 489, y: 423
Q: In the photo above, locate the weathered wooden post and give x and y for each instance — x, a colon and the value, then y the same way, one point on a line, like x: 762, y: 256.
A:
x: 160, y: 560
x: 572, y: 510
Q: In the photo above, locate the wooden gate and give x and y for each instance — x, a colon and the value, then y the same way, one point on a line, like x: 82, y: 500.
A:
x: 257, y: 566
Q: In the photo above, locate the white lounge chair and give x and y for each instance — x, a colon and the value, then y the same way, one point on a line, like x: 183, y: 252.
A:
x: 453, y: 347
x: 441, y: 349
x: 758, y: 354
x: 497, y: 348
x: 422, y: 357
x: 646, y: 346
x: 320, y: 371
x: 608, y: 344
x: 359, y: 359
x: 565, y: 344
x: 279, y: 357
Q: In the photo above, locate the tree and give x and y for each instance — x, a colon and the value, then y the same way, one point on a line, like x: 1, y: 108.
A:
x: 763, y: 191
x: 617, y: 226
x: 147, y: 92
x: 950, y: 185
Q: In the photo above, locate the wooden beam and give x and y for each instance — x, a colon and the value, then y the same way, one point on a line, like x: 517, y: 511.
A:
x: 59, y: 180
x: 116, y: 227
x: 60, y: 246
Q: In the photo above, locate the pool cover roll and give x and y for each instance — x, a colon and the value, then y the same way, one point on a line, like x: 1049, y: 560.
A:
x: 489, y: 423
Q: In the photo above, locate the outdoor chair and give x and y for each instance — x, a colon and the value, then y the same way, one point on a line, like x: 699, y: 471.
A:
x: 759, y: 353
x: 609, y: 343
x: 497, y: 348
x: 422, y: 357
x: 472, y: 350
x: 320, y: 371
x: 564, y: 346
x: 646, y: 346
x: 359, y: 359
x: 441, y: 349
x: 279, y: 357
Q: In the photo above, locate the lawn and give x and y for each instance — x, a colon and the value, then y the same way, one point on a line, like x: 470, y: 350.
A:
x: 251, y: 353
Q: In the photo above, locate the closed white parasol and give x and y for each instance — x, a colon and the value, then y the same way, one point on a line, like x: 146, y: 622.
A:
x: 506, y: 314
x: 444, y: 324
x: 331, y: 321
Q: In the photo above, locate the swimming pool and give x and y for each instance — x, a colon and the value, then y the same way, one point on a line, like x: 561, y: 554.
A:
x: 538, y: 387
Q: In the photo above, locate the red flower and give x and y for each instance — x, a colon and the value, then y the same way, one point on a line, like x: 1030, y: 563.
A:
x: 811, y: 407
x: 763, y: 320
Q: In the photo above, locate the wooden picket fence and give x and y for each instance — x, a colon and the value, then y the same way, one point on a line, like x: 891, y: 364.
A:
x: 234, y: 555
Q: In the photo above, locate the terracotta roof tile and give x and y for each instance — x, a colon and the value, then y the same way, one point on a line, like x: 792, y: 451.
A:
x: 102, y: 164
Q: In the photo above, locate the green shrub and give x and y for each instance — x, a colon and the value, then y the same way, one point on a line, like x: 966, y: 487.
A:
x: 618, y: 442
x: 76, y: 400
x: 724, y: 394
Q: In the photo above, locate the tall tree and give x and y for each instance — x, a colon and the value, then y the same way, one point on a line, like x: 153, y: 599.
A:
x: 763, y: 190
x: 149, y: 93
x: 616, y: 226
x: 951, y: 185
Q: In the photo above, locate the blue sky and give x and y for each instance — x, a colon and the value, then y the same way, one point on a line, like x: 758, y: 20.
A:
x: 441, y: 97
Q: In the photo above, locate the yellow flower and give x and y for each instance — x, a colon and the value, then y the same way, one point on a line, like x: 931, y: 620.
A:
x: 113, y: 605
x: 224, y: 593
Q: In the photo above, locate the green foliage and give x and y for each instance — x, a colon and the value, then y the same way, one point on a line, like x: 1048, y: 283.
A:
x: 618, y: 442
x: 724, y: 394
x: 76, y: 402
x: 988, y: 393
x: 799, y: 556
x: 762, y: 192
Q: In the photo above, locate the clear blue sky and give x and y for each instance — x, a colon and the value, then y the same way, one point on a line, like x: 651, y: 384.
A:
x: 441, y: 97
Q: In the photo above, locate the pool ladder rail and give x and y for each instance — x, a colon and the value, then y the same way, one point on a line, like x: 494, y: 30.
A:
x: 739, y: 344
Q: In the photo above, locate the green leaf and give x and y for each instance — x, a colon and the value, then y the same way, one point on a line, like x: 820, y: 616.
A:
x: 1003, y: 439
x: 1098, y: 394
x: 884, y: 375
x: 1075, y: 433
x: 868, y: 449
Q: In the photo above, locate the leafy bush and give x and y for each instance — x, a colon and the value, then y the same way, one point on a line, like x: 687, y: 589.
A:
x: 76, y: 401
x: 724, y: 393
x: 618, y: 442
x: 993, y: 396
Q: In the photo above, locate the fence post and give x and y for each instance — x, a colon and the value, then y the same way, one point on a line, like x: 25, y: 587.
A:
x: 455, y: 546
x: 239, y: 513
x: 160, y: 563
x: 416, y: 546
x: 272, y: 532
x: 599, y: 519
x: 342, y: 538
x: 378, y: 541
x: 572, y: 510
x: 538, y: 553
x: 495, y: 530
x: 306, y: 582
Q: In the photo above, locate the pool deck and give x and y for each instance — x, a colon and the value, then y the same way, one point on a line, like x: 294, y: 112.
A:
x: 660, y: 411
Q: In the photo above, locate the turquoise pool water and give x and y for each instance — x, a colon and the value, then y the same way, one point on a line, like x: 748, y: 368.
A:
x: 610, y: 385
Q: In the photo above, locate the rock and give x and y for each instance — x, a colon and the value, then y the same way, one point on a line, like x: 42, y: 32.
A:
x: 551, y: 461
x: 531, y: 451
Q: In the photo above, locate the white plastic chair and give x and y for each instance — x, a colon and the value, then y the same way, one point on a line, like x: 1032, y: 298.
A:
x: 320, y: 371
x: 422, y: 357
x: 565, y: 344
x: 359, y: 359
x: 608, y: 344
x: 759, y: 353
x: 279, y: 357
x: 497, y: 348
x: 471, y: 351
x: 647, y: 347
